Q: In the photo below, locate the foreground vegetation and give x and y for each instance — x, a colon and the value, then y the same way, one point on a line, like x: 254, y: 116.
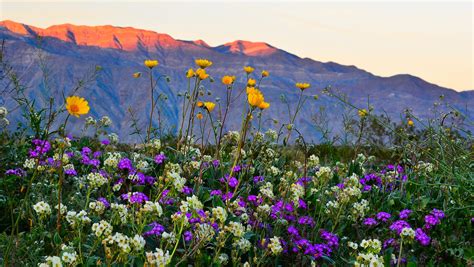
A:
x: 385, y: 194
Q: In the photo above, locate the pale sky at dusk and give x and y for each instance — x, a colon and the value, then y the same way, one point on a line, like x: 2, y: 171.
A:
x: 432, y: 40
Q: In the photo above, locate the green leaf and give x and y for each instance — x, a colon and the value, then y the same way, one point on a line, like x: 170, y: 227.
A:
x: 57, y: 239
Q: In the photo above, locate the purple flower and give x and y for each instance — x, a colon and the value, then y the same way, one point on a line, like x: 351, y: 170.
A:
x: 331, y: 239
x: 389, y: 243
x: 404, y: 214
x: 156, y: 229
x: 257, y: 179
x: 41, y: 148
x: 383, y: 216
x: 188, y: 236
x: 237, y: 168
x: 18, y: 172
x: 302, y: 204
x: 293, y: 231
x: 431, y: 220
x: 422, y: 237
x: 70, y: 172
x: 105, y: 142
x: 306, y: 220
x: 216, y: 192
x: 399, y: 225
x: 160, y: 158
x: 104, y: 201
x: 125, y: 164
x: 370, y: 221
x: 227, y: 196
x: 438, y: 213
x: 187, y: 190
x: 135, y: 197
x: 233, y: 182
x: 215, y: 163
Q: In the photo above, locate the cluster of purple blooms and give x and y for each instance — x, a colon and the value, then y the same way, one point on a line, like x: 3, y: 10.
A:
x: 89, y: 158
x: 374, y: 181
x: 135, y: 197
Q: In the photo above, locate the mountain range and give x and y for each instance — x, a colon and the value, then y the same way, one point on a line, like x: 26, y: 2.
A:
x: 69, y: 52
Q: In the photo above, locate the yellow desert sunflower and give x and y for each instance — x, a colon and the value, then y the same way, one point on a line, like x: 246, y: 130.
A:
x: 228, y: 80
x: 255, y: 98
x: 77, y: 106
x: 248, y: 69
x: 203, y: 63
x: 190, y: 73
x: 251, y: 83
x: 265, y: 73
x: 303, y: 86
x: 362, y: 113
x: 201, y: 73
x: 264, y: 105
x: 209, y: 106
x: 151, y: 63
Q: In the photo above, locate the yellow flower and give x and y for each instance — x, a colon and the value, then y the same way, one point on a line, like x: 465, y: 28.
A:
x: 209, y: 106
x: 251, y: 90
x: 248, y: 69
x: 200, y: 103
x: 362, y: 113
x: 201, y: 73
x: 190, y: 73
x: 151, y: 63
x: 203, y: 63
x: 137, y: 75
x: 77, y: 106
x: 302, y: 86
x: 255, y: 98
x: 251, y: 83
x: 228, y: 80
x: 265, y: 73
x: 264, y: 105
x: 199, y: 116
x: 410, y: 122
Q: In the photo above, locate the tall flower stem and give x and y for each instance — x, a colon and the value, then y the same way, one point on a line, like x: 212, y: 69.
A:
x: 152, y: 107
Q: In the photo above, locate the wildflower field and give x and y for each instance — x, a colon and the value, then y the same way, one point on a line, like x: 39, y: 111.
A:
x: 212, y: 196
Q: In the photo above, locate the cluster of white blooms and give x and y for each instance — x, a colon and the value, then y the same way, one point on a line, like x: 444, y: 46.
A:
x: 236, y: 228
x: 219, y: 214
x: 158, y: 258
x: 313, y: 161
x: 242, y: 244
x: 42, y: 209
x: 122, y: 211
x: 352, y: 245
x: 96, y: 179
x: 142, y: 165
x: 29, y: 164
x: 177, y: 180
x: 371, y: 245
x: 424, y: 167
x: 63, y: 208
x: 97, y: 206
x: 4, y: 122
x: 191, y: 203
x: 275, y: 245
x: 112, y: 159
x: 274, y: 171
x: 65, y: 158
x: 90, y: 121
x: 152, y: 207
x: 223, y: 258
x: 105, y: 121
x: 51, y: 261
x: 232, y: 136
x: 113, y: 137
x: 204, y: 232
x: 263, y: 210
x: 297, y: 192
x: 267, y: 190
x: 77, y: 219
x: 369, y: 259
x: 258, y: 136
x: 119, y: 239
x: 271, y: 134
x: 407, y: 233
x: 169, y: 237
x: 69, y: 256
x: 324, y: 173
x: 359, y: 209
x: 331, y: 206
x: 138, y: 242
x: 154, y: 143
x: 102, y: 229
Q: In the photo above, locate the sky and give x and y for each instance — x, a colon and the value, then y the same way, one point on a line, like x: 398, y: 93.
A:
x: 431, y: 40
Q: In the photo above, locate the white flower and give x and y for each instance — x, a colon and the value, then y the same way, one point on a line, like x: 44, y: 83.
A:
x: 29, y: 164
x: 407, y: 232
x: 42, y: 209
x: 96, y: 179
x: 158, y: 258
x: 106, y: 121
x: 275, y: 245
x: 223, y: 258
x: 138, y: 242
x: 219, y: 213
x: 69, y: 257
x: 52, y: 261
x: 102, y: 229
